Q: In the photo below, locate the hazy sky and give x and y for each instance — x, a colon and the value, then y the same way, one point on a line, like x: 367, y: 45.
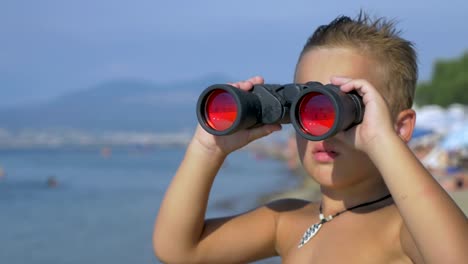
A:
x: 51, y: 47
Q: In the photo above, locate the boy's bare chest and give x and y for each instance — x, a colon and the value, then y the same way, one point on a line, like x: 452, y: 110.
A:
x: 332, y: 247
x: 351, y: 239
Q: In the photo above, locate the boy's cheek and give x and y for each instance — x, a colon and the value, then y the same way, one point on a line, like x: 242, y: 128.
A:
x: 347, y: 138
x: 301, y: 145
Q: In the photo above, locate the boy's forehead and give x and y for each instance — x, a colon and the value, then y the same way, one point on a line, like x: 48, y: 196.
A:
x: 320, y: 64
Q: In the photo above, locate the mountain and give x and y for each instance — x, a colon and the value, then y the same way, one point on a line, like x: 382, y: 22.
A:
x: 117, y: 105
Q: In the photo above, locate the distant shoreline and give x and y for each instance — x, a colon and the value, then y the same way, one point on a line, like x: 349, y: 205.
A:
x: 76, y: 139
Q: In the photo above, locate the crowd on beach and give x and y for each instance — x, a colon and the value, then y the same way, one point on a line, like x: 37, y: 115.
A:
x: 442, y: 144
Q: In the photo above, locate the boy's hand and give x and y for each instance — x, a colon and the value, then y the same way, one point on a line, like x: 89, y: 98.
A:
x: 227, y: 144
x: 377, y: 121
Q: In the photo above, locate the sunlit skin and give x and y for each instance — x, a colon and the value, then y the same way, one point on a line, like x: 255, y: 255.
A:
x: 347, y: 177
x: 321, y: 65
x: 357, y: 166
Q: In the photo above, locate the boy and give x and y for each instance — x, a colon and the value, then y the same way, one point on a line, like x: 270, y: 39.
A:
x: 357, y: 221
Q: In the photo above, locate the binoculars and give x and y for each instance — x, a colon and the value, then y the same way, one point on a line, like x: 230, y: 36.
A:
x: 315, y: 110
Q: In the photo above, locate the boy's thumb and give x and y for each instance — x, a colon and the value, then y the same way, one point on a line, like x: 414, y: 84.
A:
x: 259, y: 132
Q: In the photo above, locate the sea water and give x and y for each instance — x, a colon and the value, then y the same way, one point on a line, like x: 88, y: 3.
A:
x: 79, y: 206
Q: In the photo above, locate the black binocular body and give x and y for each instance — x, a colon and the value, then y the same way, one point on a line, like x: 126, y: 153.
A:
x: 315, y: 110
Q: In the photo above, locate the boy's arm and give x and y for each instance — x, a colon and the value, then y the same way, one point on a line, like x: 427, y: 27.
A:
x: 432, y: 220
x: 181, y: 234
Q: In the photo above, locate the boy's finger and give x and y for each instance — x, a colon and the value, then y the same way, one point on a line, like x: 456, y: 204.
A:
x: 234, y: 84
x: 246, y: 85
x: 338, y: 80
x: 256, y: 80
x: 361, y: 86
x: 349, y: 86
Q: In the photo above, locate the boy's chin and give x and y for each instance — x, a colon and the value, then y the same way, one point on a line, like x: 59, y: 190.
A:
x: 331, y: 182
x: 323, y: 174
x: 329, y: 176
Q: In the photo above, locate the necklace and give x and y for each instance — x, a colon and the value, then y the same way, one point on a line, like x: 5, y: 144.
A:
x: 313, y: 229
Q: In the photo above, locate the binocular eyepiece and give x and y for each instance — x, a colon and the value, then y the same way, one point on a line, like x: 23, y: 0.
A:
x: 315, y: 110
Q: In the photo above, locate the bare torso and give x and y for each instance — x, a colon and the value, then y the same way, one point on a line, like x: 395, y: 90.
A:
x: 362, y: 236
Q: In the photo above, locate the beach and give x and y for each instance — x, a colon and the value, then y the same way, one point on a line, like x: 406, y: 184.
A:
x: 461, y: 198
x: 56, y: 202
x: 98, y: 201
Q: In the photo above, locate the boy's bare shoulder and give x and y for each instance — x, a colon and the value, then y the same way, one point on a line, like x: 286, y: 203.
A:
x: 290, y: 208
x: 293, y: 217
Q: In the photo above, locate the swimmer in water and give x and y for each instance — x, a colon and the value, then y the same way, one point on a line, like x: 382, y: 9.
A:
x: 52, y: 182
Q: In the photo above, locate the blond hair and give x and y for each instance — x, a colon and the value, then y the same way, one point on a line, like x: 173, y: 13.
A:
x: 379, y: 39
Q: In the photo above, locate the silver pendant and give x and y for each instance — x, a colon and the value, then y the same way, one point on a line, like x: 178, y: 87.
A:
x: 310, y: 233
x: 313, y: 230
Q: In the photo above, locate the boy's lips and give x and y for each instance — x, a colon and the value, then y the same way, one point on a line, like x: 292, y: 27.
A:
x: 324, y: 154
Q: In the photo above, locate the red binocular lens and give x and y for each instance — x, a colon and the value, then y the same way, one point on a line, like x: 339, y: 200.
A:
x: 220, y: 110
x: 316, y: 111
x: 321, y: 111
x: 223, y: 109
x: 316, y: 114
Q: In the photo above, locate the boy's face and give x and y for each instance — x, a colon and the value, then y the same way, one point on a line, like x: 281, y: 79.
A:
x: 332, y: 162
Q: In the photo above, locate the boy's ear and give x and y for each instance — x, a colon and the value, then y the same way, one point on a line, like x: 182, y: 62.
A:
x: 405, y: 123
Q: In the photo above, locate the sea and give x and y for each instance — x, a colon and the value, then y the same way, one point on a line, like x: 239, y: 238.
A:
x: 75, y: 206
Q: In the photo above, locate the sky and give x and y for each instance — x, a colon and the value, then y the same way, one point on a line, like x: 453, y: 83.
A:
x: 52, y: 47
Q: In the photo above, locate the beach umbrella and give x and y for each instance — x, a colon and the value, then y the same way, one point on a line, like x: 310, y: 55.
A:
x: 439, y: 119
x: 431, y: 117
x: 457, y: 139
x: 421, y: 132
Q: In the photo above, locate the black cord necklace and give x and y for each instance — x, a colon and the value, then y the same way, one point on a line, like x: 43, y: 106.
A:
x: 313, y: 230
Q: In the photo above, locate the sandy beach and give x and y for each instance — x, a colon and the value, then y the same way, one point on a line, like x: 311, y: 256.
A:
x: 461, y: 198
